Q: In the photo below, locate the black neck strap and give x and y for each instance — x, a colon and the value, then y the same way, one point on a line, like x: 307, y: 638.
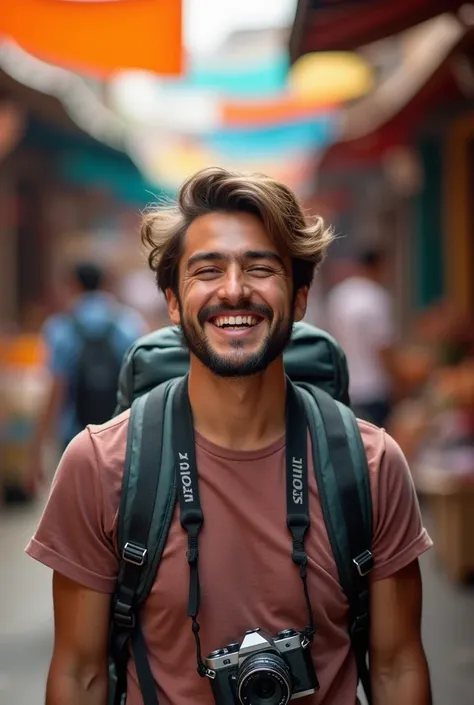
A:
x: 297, y: 492
x: 191, y: 515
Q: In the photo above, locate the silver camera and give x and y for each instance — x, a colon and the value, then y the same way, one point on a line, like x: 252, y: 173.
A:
x: 263, y: 670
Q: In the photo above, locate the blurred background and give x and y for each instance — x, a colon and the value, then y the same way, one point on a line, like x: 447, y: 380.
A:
x: 365, y: 108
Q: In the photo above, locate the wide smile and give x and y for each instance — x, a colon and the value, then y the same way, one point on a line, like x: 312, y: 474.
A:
x: 236, y: 325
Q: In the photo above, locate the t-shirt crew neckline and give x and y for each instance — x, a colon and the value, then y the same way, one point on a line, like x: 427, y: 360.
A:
x: 242, y: 455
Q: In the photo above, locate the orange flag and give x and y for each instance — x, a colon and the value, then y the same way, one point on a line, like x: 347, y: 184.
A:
x: 98, y: 36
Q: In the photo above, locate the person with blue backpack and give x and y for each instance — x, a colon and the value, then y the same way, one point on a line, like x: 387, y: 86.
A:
x: 85, y: 344
x: 234, y: 535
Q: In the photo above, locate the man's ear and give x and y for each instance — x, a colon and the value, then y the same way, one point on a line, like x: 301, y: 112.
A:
x: 301, y: 301
x: 173, y: 307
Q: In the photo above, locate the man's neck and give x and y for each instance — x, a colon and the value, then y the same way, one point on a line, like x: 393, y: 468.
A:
x: 245, y: 413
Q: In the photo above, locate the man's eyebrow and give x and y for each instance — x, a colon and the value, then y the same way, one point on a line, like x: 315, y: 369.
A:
x: 205, y: 257
x: 263, y: 254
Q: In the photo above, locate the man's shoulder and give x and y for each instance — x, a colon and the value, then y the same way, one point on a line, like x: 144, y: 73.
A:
x: 384, y: 455
x: 373, y: 439
x: 346, y: 295
x: 130, y: 321
x: 113, y: 432
x: 104, y: 446
x: 379, y: 446
x: 57, y: 325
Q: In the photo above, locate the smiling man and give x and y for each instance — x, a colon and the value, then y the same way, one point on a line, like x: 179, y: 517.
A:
x: 235, y: 258
x: 232, y: 333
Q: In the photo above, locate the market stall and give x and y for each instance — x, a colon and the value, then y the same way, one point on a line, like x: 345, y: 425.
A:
x: 23, y: 382
x: 436, y: 432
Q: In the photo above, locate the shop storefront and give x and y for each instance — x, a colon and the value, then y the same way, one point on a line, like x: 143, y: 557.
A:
x: 63, y: 195
x: 459, y: 219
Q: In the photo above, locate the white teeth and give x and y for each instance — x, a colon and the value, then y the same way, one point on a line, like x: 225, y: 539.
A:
x: 235, y: 321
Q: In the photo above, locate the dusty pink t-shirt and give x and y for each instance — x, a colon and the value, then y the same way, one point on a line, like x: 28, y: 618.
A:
x: 247, y: 576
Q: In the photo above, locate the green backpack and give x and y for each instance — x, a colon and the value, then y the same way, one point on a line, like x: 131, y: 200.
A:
x: 150, y: 374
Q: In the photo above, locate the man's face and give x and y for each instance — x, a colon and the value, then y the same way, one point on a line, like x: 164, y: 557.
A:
x: 235, y: 303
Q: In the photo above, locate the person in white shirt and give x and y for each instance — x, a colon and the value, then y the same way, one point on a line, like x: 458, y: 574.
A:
x: 360, y: 316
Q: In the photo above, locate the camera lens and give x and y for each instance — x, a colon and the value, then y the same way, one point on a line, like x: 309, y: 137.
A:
x: 265, y: 688
x: 264, y: 679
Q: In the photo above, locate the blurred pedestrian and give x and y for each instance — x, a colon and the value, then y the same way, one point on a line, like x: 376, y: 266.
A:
x: 85, y: 346
x: 360, y: 316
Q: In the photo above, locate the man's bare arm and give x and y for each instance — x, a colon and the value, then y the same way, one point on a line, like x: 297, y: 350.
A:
x: 78, y: 671
x: 399, y: 670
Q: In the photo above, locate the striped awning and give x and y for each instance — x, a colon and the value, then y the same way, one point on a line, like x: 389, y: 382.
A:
x: 342, y: 25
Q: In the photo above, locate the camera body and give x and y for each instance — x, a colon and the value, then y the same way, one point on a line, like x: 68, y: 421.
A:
x: 263, y: 670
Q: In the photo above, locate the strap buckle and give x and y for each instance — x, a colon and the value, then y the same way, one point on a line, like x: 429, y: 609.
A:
x: 298, y: 553
x: 123, y: 615
x: 360, y: 625
x: 299, y: 557
x: 135, y: 554
x: 364, y: 563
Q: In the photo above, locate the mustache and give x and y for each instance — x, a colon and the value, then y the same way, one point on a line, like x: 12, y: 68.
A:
x: 258, y: 309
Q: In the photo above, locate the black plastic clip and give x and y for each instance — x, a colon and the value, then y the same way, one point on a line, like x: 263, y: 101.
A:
x: 135, y: 554
x: 123, y: 615
x: 364, y: 563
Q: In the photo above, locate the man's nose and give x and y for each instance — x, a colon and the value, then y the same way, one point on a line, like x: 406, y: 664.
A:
x: 233, y: 287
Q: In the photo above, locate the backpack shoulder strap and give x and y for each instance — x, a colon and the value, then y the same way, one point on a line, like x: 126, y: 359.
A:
x: 77, y: 325
x: 145, y: 513
x: 342, y: 476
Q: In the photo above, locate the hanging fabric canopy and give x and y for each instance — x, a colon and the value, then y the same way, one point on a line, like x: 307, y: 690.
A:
x: 252, y: 122
x: 341, y: 25
x: 243, y: 109
x: 98, y: 37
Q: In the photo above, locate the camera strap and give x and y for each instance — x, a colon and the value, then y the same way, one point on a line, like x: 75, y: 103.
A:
x: 191, y: 515
x: 297, y: 492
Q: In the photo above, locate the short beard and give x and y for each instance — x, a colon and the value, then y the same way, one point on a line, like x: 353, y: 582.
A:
x: 271, y: 348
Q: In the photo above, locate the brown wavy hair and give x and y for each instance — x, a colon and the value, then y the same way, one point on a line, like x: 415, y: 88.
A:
x: 304, y: 238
